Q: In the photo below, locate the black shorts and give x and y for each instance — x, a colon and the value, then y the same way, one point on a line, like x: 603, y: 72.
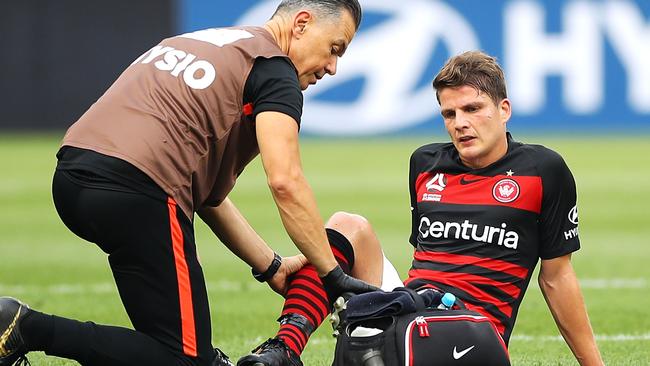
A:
x: 152, y: 253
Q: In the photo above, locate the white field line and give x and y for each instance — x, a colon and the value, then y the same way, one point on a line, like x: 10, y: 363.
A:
x: 613, y: 283
x: 608, y: 283
x: 235, y: 286
x: 531, y: 338
x: 599, y: 337
x: 109, y: 287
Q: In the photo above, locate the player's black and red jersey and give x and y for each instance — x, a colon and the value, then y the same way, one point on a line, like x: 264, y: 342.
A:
x: 478, y: 233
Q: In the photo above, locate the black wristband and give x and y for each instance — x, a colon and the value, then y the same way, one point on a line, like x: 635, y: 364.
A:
x: 271, y: 271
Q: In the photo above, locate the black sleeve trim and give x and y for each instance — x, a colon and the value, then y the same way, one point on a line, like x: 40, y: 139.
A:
x: 415, y: 216
x: 272, y: 86
x: 558, y: 235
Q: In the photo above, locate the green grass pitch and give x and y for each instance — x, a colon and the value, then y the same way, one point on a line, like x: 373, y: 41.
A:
x: 54, y: 271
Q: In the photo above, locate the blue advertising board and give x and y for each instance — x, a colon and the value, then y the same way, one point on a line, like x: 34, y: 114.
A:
x: 571, y: 66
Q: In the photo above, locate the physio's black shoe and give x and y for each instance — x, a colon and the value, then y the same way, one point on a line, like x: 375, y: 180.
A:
x: 273, y: 352
x: 220, y: 359
x: 12, y: 346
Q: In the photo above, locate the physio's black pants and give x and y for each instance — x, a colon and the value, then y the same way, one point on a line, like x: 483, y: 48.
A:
x: 152, y: 254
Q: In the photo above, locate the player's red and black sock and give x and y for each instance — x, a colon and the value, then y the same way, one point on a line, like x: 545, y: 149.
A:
x: 306, y: 304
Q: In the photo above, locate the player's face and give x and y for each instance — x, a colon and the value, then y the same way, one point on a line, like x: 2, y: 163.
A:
x: 318, y: 43
x: 476, y: 125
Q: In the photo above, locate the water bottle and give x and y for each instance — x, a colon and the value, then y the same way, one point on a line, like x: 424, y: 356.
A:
x: 447, y: 302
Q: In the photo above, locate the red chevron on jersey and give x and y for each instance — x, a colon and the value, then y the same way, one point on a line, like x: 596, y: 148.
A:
x: 464, y: 260
x: 468, y: 189
x: 467, y: 283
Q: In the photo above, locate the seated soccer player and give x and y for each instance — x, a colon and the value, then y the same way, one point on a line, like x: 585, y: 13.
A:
x: 485, y: 210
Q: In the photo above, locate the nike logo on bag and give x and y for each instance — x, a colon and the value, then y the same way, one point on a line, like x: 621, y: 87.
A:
x: 458, y: 355
x: 463, y: 181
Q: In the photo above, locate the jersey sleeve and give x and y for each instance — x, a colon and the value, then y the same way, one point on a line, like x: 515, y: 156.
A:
x: 558, y: 224
x: 415, y: 216
x: 272, y: 86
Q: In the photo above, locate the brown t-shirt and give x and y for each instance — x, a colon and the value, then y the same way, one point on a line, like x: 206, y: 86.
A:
x: 176, y: 113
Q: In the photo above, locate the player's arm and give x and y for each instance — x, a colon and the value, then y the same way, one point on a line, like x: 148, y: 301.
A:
x: 275, y: 93
x: 277, y: 136
x: 561, y: 290
x: 236, y: 233
x: 559, y: 238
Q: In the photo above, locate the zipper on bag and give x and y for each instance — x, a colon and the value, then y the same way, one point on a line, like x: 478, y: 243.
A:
x: 423, y: 326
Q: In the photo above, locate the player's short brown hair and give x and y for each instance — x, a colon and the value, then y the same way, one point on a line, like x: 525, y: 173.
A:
x: 476, y: 69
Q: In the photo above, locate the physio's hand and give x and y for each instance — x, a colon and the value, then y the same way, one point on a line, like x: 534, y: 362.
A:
x: 336, y: 283
x: 290, y: 265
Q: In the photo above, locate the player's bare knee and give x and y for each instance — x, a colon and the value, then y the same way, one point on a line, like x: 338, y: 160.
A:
x: 356, y: 229
x: 352, y: 226
x: 359, y: 232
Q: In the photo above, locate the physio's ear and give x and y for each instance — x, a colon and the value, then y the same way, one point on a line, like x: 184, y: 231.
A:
x: 300, y: 22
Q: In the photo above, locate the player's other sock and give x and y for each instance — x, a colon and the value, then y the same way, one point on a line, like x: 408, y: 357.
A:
x: 306, y: 304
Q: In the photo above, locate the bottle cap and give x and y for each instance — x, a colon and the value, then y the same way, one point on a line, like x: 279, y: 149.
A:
x: 448, y: 299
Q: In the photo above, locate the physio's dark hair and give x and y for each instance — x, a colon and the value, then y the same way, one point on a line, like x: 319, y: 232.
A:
x: 331, y: 8
x: 475, y: 69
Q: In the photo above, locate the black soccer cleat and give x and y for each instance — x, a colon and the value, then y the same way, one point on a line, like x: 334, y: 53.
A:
x: 273, y: 352
x: 12, y: 346
x: 220, y: 359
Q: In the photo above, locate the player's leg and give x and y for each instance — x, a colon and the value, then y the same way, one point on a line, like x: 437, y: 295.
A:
x: 357, y: 250
x: 373, y: 266
x: 127, y: 225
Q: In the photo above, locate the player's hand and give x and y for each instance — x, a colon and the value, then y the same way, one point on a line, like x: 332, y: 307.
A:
x: 290, y: 265
x: 336, y: 283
